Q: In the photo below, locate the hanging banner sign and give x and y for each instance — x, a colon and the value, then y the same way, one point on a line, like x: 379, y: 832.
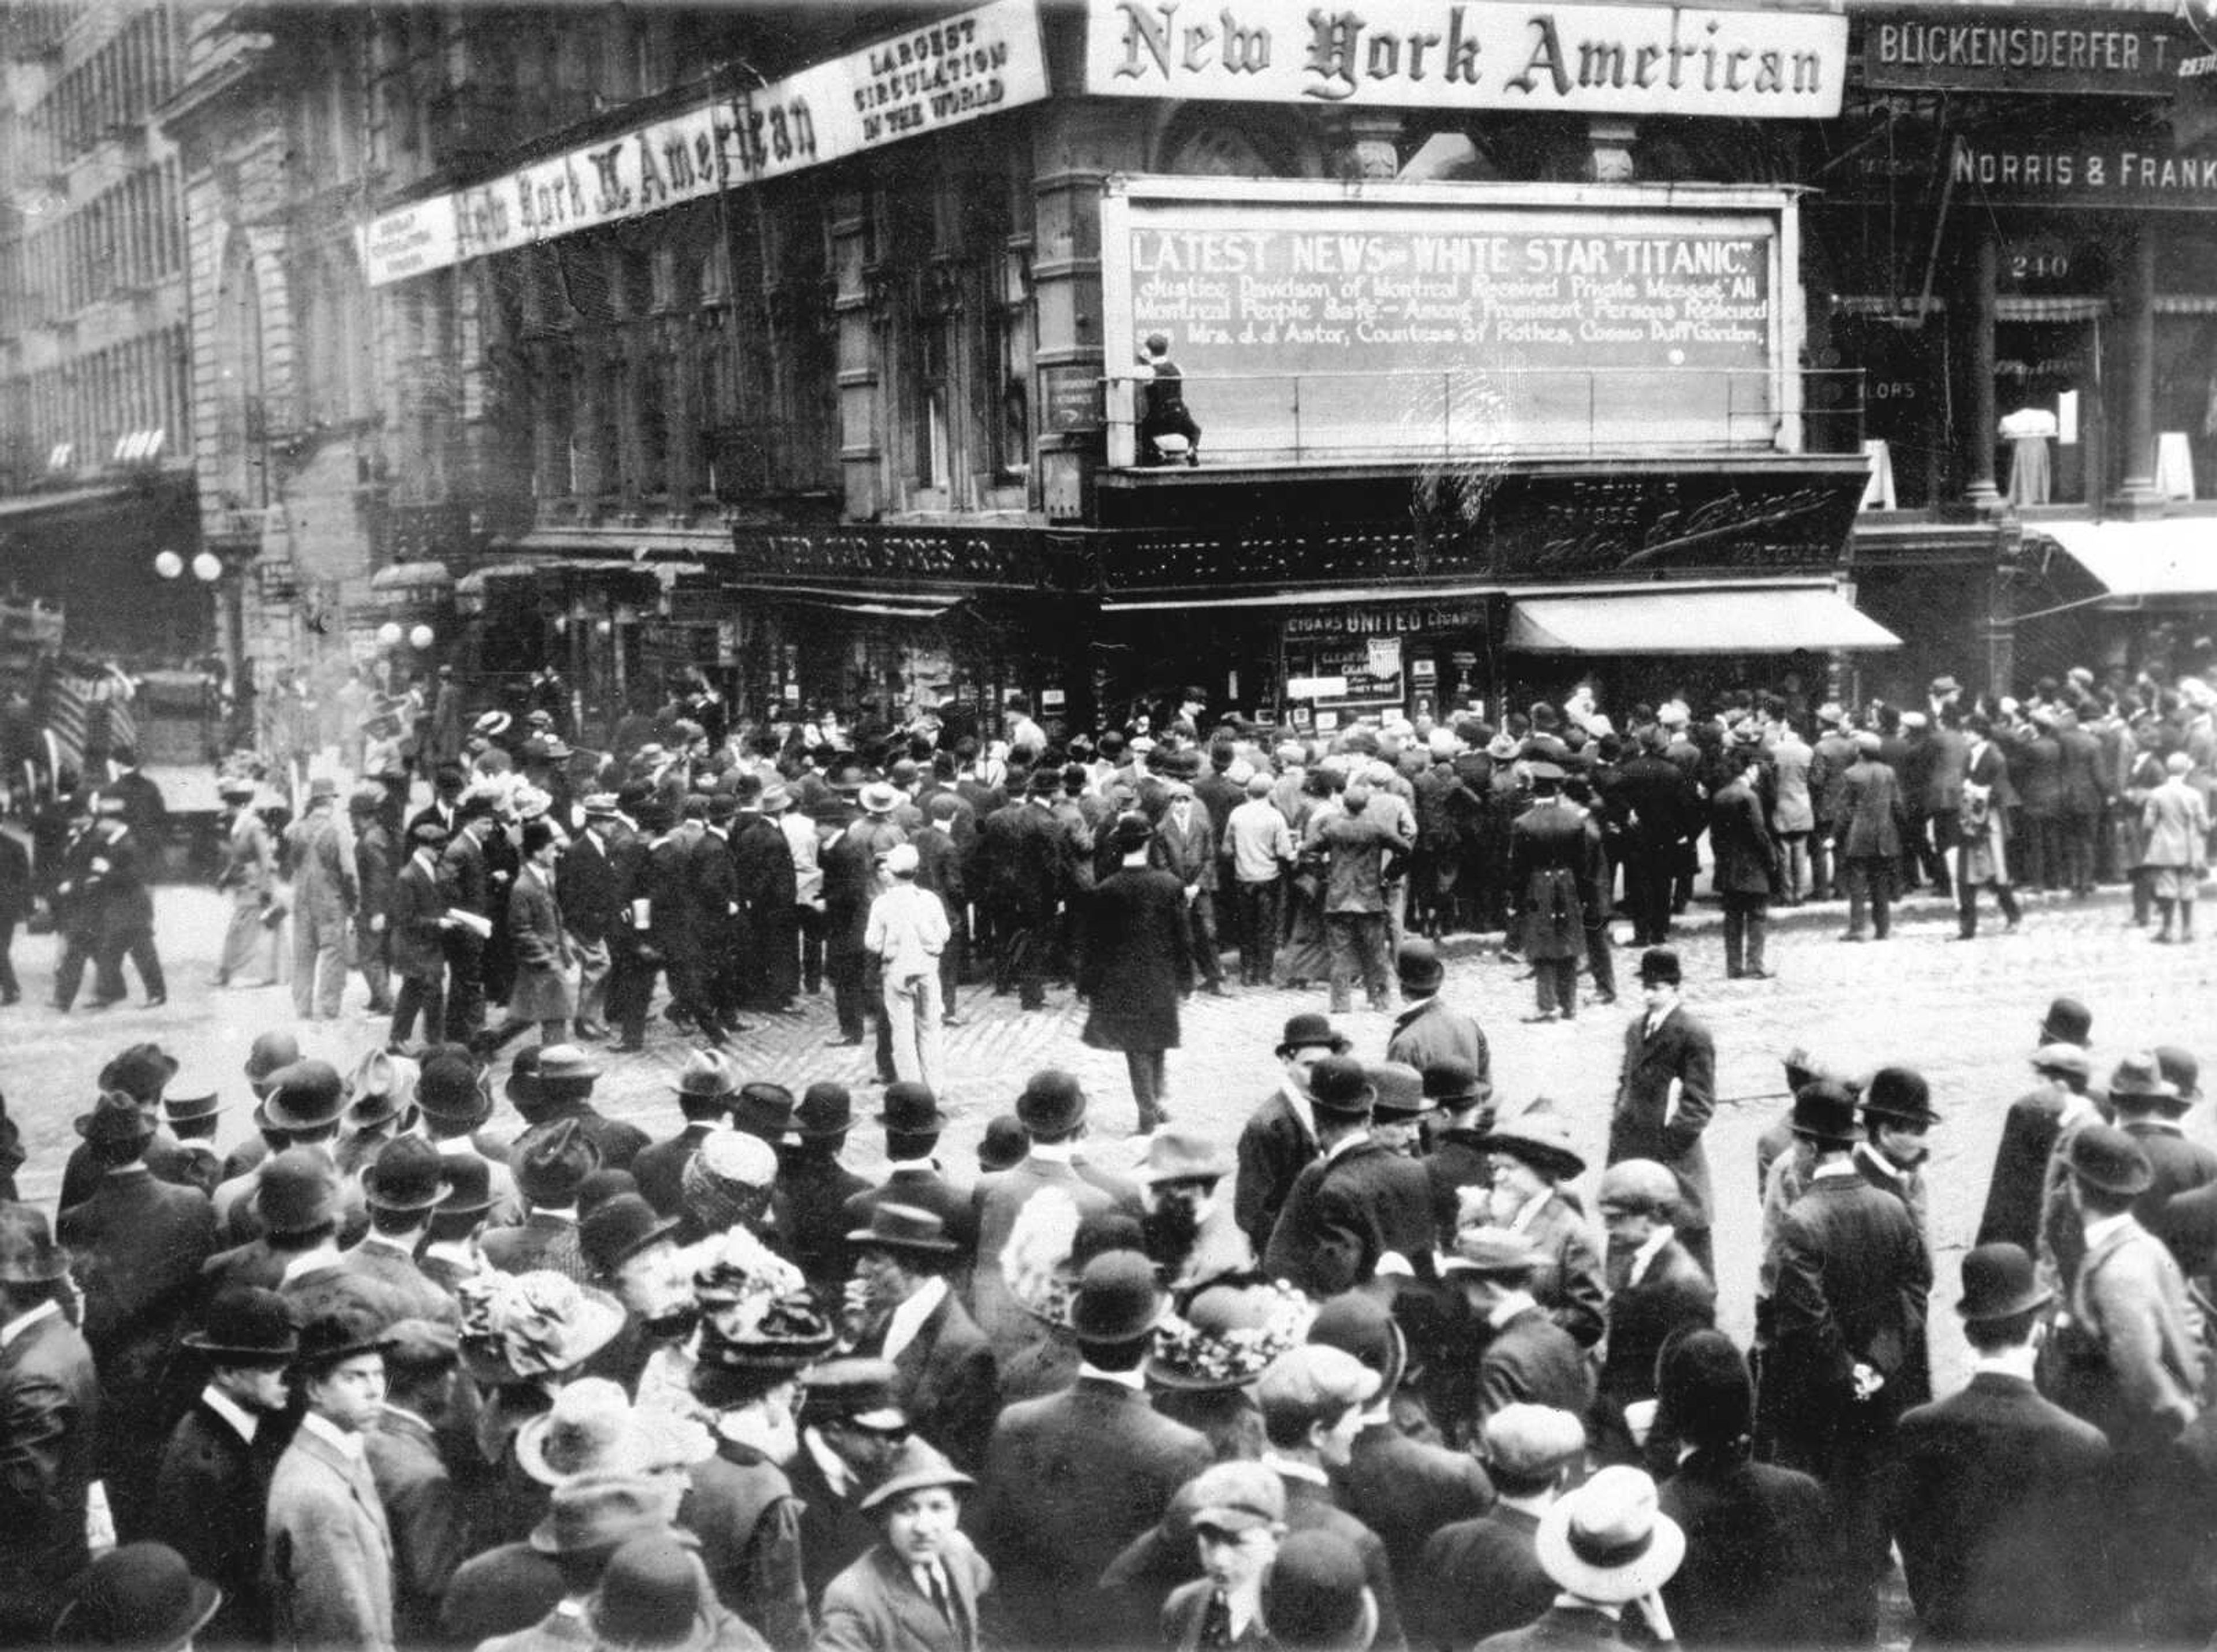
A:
x: 1760, y: 63
x: 945, y: 74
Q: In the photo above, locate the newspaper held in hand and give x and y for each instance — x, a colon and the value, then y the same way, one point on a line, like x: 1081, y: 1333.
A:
x: 1673, y: 1101
x: 478, y: 927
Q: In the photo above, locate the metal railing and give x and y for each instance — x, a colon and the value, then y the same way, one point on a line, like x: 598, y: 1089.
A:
x: 1457, y: 413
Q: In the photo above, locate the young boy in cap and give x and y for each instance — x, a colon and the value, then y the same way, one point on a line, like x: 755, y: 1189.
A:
x: 1237, y: 1521
x: 918, y: 1589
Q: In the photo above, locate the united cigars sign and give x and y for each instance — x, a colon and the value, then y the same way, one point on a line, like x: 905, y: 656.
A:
x: 943, y: 74
x: 1601, y: 60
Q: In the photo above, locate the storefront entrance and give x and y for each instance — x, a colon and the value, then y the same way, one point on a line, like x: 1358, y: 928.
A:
x: 2047, y: 391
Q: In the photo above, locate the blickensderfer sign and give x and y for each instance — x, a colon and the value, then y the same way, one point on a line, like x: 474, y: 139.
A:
x: 1383, y: 320
x: 1772, y: 62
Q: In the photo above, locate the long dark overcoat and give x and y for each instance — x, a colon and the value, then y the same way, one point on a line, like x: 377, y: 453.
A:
x: 1135, y: 963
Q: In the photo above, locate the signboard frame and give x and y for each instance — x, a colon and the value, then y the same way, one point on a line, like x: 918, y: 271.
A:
x: 2037, y: 46
x: 1126, y: 197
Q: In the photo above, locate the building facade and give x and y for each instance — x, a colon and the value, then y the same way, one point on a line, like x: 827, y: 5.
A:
x: 96, y: 505
x: 806, y: 349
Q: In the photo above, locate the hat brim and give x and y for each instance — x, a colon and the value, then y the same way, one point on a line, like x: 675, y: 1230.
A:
x: 1828, y: 1138
x: 376, y: 1201
x: 910, y: 1126
x: 1338, y: 1044
x: 1633, y: 1580
x: 901, y: 1484
x: 278, y: 1116
x: 818, y: 1132
x: 2032, y: 1295
x: 470, y: 1116
x: 864, y: 1238
x: 231, y: 1353
x: 323, y: 1358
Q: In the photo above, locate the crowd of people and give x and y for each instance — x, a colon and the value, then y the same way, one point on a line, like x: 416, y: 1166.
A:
x: 1376, y: 1374
x: 1387, y: 1371
x: 736, y: 867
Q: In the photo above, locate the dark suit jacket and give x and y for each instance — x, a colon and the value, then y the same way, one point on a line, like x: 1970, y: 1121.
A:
x: 137, y: 1245
x: 1009, y: 1327
x: 592, y: 885
x: 1853, y: 1283
x: 431, y: 1538
x: 1681, y: 1049
x: 1559, y: 1629
x: 396, y: 1271
x: 1406, y: 1489
x: 742, y: 1508
x: 1070, y: 1479
x: 945, y: 1381
x: 1458, y: 1160
x: 1188, y: 855
x: 1531, y: 1360
x: 834, y: 1533
x: 874, y: 1606
x: 498, y: 1593
x: 809, y: 1206
x: 1762, y: 1562
x: 1672, y: 1293
x: 1478, y: 1577
x: 659, y: 1169
x: 1020, y: 863
x: 2016, y: 1193
x: 418, y: 903
x: 1344, y: 1213
x: 208, y: 1497
x: 1275, y: 1148
x: 1311, y: 1507
x: 50, y: 1406
x: 1869, y: 826
x: 2181, y: 1166
x: 1996, y: 1506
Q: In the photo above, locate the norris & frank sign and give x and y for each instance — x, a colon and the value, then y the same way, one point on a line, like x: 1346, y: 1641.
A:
x: 1772, y: 62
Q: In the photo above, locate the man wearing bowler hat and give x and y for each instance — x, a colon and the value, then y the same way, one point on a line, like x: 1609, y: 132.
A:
x: 1073, y: 1477
x: 215, y: 1469
x: 1898, y: 1117
x: 2129, y: 1352
x: 1052, y: 1109
x: 2035, y: 1122
x: 551, y: 1162
x: 706, y: 1089
x: 404, y: 1189
x: 417, y: 926
x: 1847, y: 1354
x: 945, y: 1377
x: 912, y: 1122
x: 2147, y: 1107
x: 1279, y: 1139
x: 137, y: 1245
x: 809, y: 1202
x: 49, y: 1395
x: 1666, y: 1092
x: 1998, y: 1508
x: 1429, y: 1032
x: 1358, y: 1202
x: 563, y: 1089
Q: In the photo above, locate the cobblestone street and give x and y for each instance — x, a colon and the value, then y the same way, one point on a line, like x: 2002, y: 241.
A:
x: 1964, y: 1013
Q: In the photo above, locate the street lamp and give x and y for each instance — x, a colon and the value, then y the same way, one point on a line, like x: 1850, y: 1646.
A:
x: 388, y: 634
x: 208, y: 568
x: 168, y: 563
x: 421, y: 638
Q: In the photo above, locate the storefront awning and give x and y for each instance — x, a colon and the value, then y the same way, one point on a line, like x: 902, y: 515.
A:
x: 1771, y: 620
x: 2173, y: 558
x: 884, y: 605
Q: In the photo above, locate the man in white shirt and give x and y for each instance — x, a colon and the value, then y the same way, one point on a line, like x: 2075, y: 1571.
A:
x: 907, y: 929
x: 1260, y: 845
